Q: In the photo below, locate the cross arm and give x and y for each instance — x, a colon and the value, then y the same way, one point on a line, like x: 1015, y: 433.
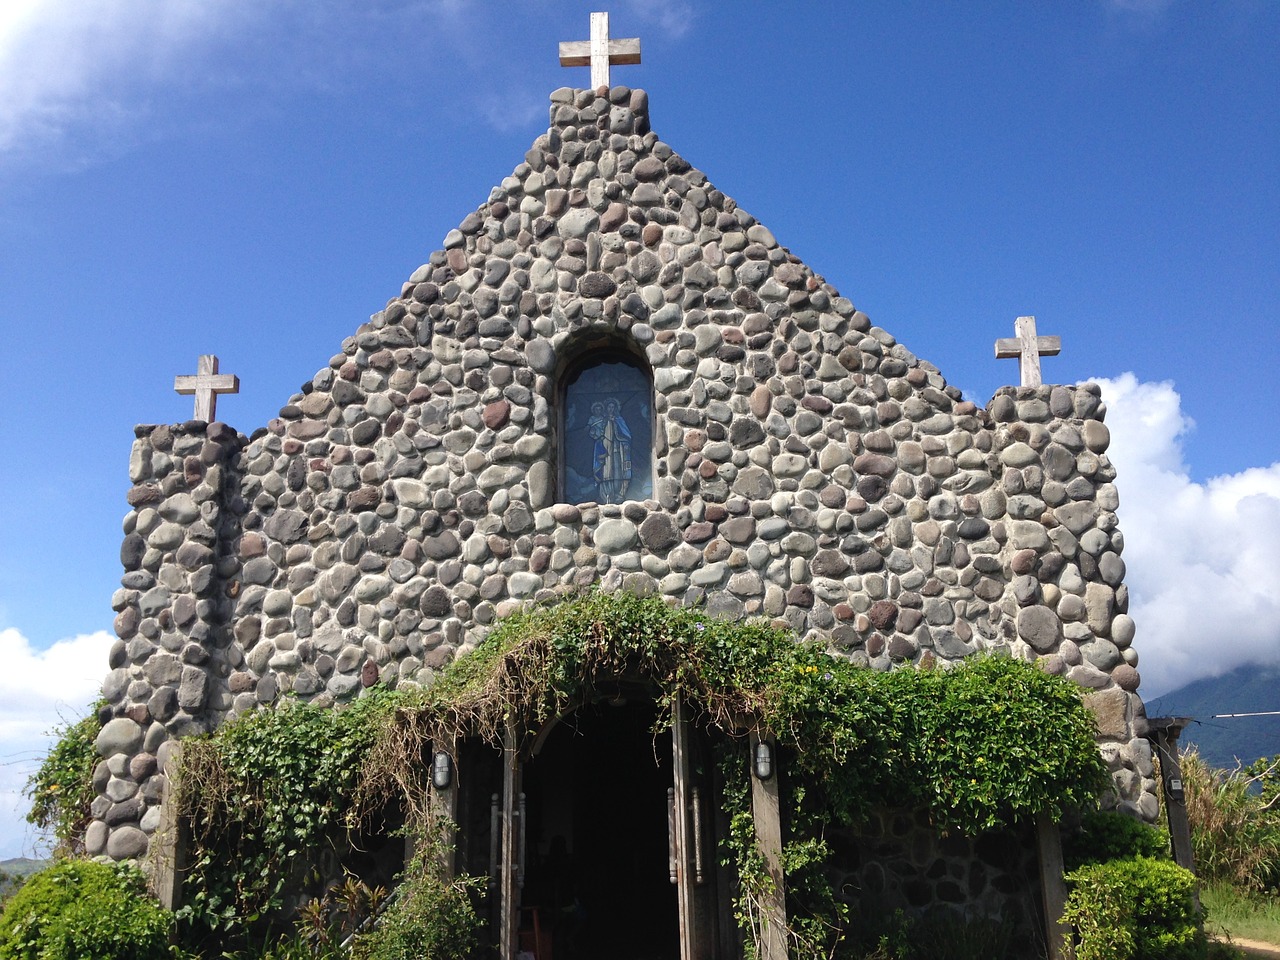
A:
x: 577, y: 53
x: 192, y: 383
x: 1007, y: 347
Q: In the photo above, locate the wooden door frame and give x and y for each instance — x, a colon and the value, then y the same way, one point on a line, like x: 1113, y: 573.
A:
x: 692, y: 826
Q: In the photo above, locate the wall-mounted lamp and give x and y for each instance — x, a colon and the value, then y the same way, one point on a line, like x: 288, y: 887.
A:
x: 763, y: 760
x: 441, y: 770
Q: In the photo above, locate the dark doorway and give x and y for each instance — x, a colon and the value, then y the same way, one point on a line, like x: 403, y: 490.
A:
x: 598, y: 842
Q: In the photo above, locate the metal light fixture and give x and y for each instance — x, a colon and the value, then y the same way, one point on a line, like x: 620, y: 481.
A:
x: 441, y: 770
x: 763, y: 761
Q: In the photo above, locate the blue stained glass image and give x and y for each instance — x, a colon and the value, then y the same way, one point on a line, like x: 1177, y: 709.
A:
x: 608, y: 435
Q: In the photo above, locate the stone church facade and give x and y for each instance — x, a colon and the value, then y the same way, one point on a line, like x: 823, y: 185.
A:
x: 800, y: 465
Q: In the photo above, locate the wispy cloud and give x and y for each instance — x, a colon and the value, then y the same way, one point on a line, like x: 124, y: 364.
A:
x: 38, y: 690
x: 93, y: 68
x: 673, y: 17
x: 513, y: 110
x: 1202, y: 557
x: 81, y: 80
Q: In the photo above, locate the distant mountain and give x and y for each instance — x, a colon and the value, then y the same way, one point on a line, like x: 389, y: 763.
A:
x: 1247, y: 689
x: 13, y: 873
x: 22, y: 866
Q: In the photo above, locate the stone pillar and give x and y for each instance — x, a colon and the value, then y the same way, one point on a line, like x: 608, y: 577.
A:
x: 1066, y: 602
x: 168, y: 668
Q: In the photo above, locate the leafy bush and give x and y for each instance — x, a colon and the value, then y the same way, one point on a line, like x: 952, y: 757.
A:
x: 431, y: 918
x: 981, y: 746
x: 1110, y: 835
x: 9, y: 885
x: 78, y: 909
x: 1235, y: 822
x: 1137, y: 909
x: 938, y: 934
x: 61, y: 790
x: 269, y: 794
x: 986, y: 745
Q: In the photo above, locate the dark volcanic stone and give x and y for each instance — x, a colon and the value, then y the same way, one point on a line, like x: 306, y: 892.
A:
x: 596, y: 285
x: 287, y: 526
x: 658, y: 532
x: 132, y: 550
x: 883, y: 614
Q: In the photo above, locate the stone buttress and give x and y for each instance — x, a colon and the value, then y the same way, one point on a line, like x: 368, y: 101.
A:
x: 807, y: 468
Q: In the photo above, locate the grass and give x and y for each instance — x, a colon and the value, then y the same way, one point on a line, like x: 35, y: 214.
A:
x: 1241, y: 916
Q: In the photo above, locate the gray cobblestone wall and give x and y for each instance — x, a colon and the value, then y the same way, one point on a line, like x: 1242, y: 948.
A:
x: 807, y: 468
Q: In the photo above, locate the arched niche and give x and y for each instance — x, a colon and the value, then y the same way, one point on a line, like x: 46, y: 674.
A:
x: 606, y: 427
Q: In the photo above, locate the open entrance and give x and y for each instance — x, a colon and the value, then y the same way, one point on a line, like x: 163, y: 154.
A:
x: 599, y: 873
x: 598, y: 836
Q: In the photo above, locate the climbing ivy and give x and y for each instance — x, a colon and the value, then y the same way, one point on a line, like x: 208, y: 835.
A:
x: 61, y: 789
x: 979, y: 746
x: 268, y: 796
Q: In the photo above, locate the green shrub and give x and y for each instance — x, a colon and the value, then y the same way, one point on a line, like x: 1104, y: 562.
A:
x: 431, y: 918
x: 82, y: 910
x: 9, y: 885
x: 1110, y: 835
x: 1138, y: 909
x: 269, y: 795
x: 62, y: 788
x: 938, y: 934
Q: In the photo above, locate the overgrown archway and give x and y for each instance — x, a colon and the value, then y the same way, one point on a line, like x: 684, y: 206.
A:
x: 981, y: 746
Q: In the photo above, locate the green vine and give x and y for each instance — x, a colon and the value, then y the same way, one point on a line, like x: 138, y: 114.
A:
x: 980, y: 746
x: 61, y: 790
x: 268, y: 796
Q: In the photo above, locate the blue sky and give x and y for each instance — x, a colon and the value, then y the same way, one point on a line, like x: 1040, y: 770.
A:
x: 253, y: 180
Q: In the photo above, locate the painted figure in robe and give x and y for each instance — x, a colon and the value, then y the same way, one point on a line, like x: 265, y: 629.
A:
x: 612, y: 451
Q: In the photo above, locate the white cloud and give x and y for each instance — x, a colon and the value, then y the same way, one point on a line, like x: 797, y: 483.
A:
x: 513, y: 110
x: 85, y: 79
x: 92, y: 67
x: 673, y: 17
x: 39, y: 689
x: 1203, y: 558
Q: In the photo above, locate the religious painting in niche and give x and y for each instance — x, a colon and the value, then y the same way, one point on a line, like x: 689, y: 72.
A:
x: 608, y: 435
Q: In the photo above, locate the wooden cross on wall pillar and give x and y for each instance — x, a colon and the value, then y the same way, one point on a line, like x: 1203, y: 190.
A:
x: 1028, y: 348
x: 206, y: 385
x: 599, y: 52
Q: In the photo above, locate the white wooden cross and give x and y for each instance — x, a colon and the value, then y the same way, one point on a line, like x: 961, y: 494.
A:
x: 206, y: 385
x: 599, y: 52
x: 1028, y: 348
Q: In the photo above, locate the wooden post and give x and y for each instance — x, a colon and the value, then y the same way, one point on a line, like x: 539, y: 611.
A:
x: 443, y: 802
x: 684, y: 831
x: 168, y: 849
x: 509, y: 911
x: 1163, y: 732
x: 1053, y: 888
x: 768, y: 825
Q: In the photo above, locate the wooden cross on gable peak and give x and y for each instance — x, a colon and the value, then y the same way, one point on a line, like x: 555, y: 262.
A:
x: 599, y: 52
x: 1028, y: 348
x: 206, y: 385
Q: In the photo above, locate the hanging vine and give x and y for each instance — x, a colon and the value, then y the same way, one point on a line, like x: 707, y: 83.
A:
x: 983, y: 745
